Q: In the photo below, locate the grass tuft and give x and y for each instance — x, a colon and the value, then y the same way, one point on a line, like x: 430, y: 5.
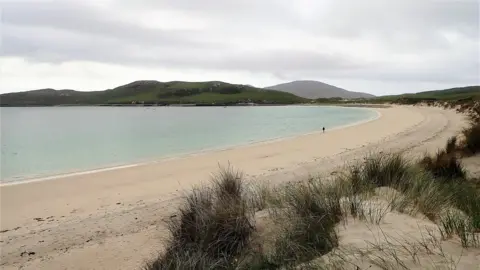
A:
x: 455, y: 223
x: 472, y: 138
x: 382, y: 170
x: 444, y: 165
x: 451, y: 145
x: 306, y: 221
x: 466, y: 197
x: 213, y: 227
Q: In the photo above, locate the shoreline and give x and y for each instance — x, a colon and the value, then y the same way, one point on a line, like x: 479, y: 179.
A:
x: 55, y: 176
x: 196, y: 105
x: 115, y: 219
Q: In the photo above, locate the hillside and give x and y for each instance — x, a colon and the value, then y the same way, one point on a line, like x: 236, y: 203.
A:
x: 314, y: 90
x: 452, y: 94
x: 153, y: 92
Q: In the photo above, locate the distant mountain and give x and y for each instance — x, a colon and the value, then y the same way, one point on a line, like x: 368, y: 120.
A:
x: 153, y: 92
x: 314, y: 90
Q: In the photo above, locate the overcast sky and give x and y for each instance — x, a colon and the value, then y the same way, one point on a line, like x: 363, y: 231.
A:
x: 374, y: 46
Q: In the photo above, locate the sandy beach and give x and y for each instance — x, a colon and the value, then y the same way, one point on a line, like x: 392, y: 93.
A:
x: 113, y: 219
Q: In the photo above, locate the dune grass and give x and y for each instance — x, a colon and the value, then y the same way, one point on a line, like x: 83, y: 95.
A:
x: 444, y: 166
x: 472, y: 138
x: 216, y: 227
x: 471, y: 144
x: 307, y: 218
x: 432, y: 190
x: 212, y: 228
x: 461, y: 225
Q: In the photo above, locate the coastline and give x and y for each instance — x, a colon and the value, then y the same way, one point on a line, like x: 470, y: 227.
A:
x: 54, y: 176
x: 113, y: 219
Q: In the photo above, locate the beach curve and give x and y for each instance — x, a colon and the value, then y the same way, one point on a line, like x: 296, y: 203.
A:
x: 113, y: 217
x: 180, y: 156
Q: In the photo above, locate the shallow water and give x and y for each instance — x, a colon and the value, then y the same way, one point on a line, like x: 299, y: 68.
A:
x: 46, y: 141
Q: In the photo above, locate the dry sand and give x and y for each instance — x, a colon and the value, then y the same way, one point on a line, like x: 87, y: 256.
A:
x: 113, y: 219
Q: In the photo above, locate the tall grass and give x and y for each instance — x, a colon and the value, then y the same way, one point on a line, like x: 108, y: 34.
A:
x: 451, y: 145
x: 447, y: 168
x: 455, y: 223
x: 423, y: 194
x: 213, y: 227
x: 377, y: 170
x: 424, y: 189
x: 466, y: 197
x: 444, y: 165
x: 384, y: 169
x: 311, y: 213
x: 472, y: 138
x: 305, y: 214
x: 471, y: 144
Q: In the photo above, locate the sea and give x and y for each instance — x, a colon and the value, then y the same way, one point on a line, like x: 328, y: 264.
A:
x: 45, y: 141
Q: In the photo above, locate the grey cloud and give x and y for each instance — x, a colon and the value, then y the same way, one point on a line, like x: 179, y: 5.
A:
x: 218, y: 8
x: 408, y: 25
x: 53, y: 46
x: 228, y: 18
x: 70, y: 31
x: 83, y: 19
x: 343, y: 18
x: 391, y: 16
x: 70, y: 47
x: 291, y: 60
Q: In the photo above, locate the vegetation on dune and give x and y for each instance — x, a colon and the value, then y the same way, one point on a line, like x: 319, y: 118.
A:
x: 306, y: 216
x: 213, y: 227
x: 380, y: 170
x: 470, y: 143
x: 153, y: 92
x: 217, y: 227
x: 461, y: 94
x: 472, y: 138
x: 445, y: 163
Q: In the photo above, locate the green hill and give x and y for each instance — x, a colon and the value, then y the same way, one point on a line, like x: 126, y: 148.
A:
x: 154, y: 92
x: 452, y: 94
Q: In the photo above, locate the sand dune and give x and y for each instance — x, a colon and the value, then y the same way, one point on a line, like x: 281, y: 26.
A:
x: 112, y: 219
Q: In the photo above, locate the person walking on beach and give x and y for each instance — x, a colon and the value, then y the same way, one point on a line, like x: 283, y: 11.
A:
x: 323, y: 129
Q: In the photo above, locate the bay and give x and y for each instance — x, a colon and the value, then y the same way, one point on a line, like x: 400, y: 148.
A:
x: 42, y: 141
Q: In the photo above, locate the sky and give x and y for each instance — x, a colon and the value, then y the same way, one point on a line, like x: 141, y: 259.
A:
x: 375, y: 46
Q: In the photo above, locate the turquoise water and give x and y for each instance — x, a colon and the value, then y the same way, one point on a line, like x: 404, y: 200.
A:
x: 46, y: 141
